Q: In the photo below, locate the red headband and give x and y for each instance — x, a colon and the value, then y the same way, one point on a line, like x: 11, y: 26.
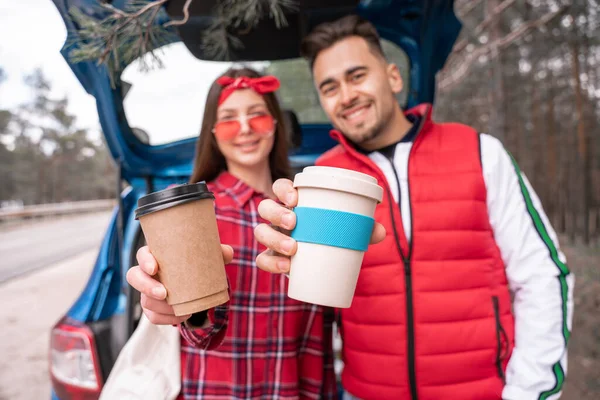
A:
x: 262, y: 85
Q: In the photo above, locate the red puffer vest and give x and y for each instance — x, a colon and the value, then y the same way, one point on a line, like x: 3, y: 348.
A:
x: 432, y: 319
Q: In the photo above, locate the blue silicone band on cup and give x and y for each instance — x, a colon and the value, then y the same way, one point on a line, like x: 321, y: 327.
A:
x: 333, y: 228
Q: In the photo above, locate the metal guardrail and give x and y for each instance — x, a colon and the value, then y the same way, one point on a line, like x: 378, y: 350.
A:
x: 45, y: 210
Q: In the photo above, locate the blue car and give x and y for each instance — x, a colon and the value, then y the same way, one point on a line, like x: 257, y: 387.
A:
x: 151, y: 121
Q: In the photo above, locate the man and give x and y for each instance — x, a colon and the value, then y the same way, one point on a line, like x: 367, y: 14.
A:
x: 432, y: 317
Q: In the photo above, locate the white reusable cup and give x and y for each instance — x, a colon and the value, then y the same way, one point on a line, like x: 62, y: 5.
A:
x: 334, y: 225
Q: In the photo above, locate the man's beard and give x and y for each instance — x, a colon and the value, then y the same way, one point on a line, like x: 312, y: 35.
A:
x: 369, y: 134
x: 357, y: 137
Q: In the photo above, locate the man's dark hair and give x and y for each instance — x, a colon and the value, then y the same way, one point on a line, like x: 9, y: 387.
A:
x: 327, y: 34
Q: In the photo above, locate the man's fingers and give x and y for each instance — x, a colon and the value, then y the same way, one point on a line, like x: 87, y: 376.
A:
x: 269, y: 262
x: 162, y: 319
x: 146, y: 261
x: 227, y: 253
x: 276, y: 214
x: 145, y: 284
x: 274, y: 240
x: 285, y: 192
x: 157, y: 306
x: 378, y: 233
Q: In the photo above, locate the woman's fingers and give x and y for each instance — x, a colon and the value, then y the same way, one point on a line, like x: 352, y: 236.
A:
x: 146, y: 261
x: 162, y: 319
x: 157, y: 306
x: 144, y: 283
x: 227, y: 253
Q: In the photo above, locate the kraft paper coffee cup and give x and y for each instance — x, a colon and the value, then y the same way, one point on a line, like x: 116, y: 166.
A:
x: 180, y: 227
x: 333, y: 229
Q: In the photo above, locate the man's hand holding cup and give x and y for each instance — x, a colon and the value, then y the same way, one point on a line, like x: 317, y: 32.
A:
x: 281, y: 247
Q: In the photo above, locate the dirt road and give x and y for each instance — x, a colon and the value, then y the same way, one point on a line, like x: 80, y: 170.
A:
x: 31, y: 304
x: 36, y: 245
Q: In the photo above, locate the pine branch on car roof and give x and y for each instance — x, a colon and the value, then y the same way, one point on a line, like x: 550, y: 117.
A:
x: 135, y: 32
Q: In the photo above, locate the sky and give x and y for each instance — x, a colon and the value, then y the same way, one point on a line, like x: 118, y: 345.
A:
x: 31, y: 35
x: 167, y: 103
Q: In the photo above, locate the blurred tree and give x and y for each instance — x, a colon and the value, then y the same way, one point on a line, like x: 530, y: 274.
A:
x: 51, y: 159
x: 527, y: 72
x: 6, y: 157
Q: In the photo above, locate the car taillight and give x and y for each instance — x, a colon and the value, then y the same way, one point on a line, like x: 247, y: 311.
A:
x: 74, y: 366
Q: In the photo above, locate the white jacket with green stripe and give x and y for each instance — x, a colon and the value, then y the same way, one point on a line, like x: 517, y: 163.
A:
x: 535, y: 267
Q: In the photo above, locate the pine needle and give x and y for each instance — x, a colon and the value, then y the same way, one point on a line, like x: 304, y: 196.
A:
x: 133, y: 33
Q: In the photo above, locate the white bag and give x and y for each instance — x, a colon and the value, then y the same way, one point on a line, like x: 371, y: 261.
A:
x: 148, y: 367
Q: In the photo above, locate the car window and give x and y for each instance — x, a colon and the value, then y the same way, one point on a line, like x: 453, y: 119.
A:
x: 396, y: 55
x: 166, y: 104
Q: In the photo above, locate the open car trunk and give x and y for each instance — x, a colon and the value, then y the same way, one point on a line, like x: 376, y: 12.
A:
x: 424, y: 29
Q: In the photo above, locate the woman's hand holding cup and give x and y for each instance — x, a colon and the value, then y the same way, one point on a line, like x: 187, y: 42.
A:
x: 153, y: 293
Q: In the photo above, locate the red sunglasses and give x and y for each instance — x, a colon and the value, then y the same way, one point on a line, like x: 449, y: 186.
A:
x: 263, y: 125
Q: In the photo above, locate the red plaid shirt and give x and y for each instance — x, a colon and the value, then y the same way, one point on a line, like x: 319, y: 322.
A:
x: 261, y: 344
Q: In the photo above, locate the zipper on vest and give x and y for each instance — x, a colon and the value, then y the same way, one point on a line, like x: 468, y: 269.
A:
x: 405, y: 258
x: 412, y: 376
x: 410, y: 330
x: 501, y: 338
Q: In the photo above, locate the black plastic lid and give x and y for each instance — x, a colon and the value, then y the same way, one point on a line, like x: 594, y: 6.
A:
x: 172, y: 197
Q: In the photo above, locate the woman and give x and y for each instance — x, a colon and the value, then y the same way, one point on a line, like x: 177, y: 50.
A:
x: 261, y: 344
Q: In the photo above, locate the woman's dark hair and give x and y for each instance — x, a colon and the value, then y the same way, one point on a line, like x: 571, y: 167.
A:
x: 210, y: 162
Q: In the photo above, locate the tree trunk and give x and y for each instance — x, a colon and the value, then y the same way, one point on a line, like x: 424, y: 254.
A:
x: 496, y: 89
x: 582, y: 145
x: 553, y: 178
x: 537, y: 141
